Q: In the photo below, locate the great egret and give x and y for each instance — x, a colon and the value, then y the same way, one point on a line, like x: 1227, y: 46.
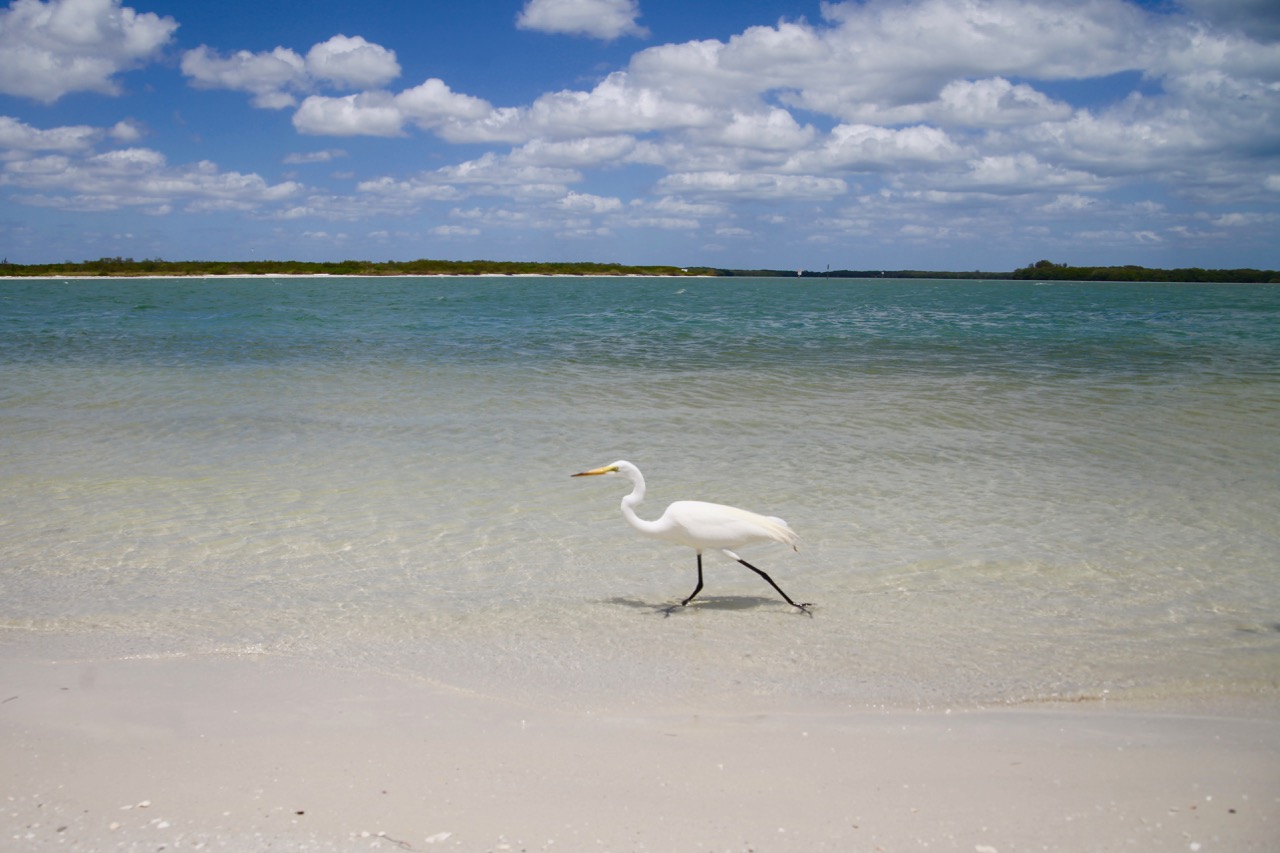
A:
x: 702, y: 525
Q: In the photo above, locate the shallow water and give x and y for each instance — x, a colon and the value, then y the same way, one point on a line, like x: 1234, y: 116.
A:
x: 1005, y: 492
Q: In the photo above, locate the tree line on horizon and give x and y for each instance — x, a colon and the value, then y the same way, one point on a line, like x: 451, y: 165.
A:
x: 1050, y: 271
x: 1039, y: 271
x: 125, y: 267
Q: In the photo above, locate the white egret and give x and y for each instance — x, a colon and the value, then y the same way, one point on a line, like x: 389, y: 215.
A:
x: 701, y: 525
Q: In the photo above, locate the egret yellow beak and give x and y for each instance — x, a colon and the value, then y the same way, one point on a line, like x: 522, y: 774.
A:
x: 607, y: 469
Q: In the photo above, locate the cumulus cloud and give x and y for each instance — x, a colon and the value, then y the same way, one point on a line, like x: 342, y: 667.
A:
x: 380, y: 113
x: 602, y: 19
x: 616, y: 106
x: 365, y: 114
x: 488, y: 175
x: 455, y: 231
x: 17, y: 136
x: 127, y: 131
x: 764, y: 129
x: 49, y: 49
x: 277, y: 76
x: 268, y: 76
x: 137, y: 178
x: 433, y: 104
x: 935, y: 102
x: 901, y: 53
x: 995, y: 102
x: 756, y: 185
x: 588, y: 203
x: 1019, y: 112
x: 492, y: 173
x: 1018, y: 173
x: 1243, y: 220
x: 869, y: 148
x: 59, y: 168
x: 585, y: 152
x: 352, y: 62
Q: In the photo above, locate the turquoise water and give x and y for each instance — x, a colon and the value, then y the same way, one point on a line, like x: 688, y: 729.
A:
x: 1005, y: 492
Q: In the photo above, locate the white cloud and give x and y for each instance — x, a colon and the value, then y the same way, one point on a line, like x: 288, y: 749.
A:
x: 503, y: 176
x: 862, y: 148
x: 669, y: 223
x: 17, y: 136
x: 352, y: 63
x: 602, y: 19
x: 1243, y: 220
x: 268, y: 76
x: 670, y: 212
x: 1069, y: 203
x: 365, y: 114
x: 1120, y: 237
x: 753, y: 185
x: 767, y: 129
x: 493, y: 216
x: 903, y: 53
x: 1017, y: 173
x: 488, y: 175
x: 380, y: 113
x: 326, y: 236
x: 900, y: 112
x: 1134, y: 138
x: 588, y: 203
x: 277, y: 76
x: 337, y: 208
x: 995, y: 103
x: 433, y: 103
x: 921, y: 92
x: 127, y: 131
x: 137, y: 178
x: 616, y: 106
x: 576, y: 153
x: 48, y: 49
x: 411, y: 191
x: 455, y: 231
x: 325, y: 156
x: 670, y: 205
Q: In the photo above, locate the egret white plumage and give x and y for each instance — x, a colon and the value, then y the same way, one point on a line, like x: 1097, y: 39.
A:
x: 702, y: 526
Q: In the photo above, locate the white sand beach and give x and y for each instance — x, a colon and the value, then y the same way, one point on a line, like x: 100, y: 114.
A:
x: 257, y: 753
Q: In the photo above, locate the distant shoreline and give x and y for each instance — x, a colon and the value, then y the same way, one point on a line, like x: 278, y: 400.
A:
x: 115, y: 268
x: 815, y: 276
x: 162, y: 277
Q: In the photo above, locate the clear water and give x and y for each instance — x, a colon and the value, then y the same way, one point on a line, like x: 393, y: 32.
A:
x: 1005, y: 492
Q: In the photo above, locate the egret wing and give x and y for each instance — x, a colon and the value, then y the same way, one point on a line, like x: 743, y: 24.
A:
x: 708, y: 525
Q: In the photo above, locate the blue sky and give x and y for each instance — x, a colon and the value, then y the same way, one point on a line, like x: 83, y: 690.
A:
x: 921, y: 134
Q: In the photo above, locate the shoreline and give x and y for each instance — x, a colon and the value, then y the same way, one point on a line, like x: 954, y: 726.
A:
x: 256, y: 751
x: 341, y: 275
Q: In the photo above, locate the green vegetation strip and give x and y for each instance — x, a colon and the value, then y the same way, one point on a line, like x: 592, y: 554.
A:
x: 1039, y: 271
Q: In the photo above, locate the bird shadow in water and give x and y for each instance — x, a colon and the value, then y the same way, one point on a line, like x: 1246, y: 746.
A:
x: 707, y: 602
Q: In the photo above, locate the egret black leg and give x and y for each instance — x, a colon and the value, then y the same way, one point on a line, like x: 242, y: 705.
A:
x: 804, y: 607
x: 698, y: 588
